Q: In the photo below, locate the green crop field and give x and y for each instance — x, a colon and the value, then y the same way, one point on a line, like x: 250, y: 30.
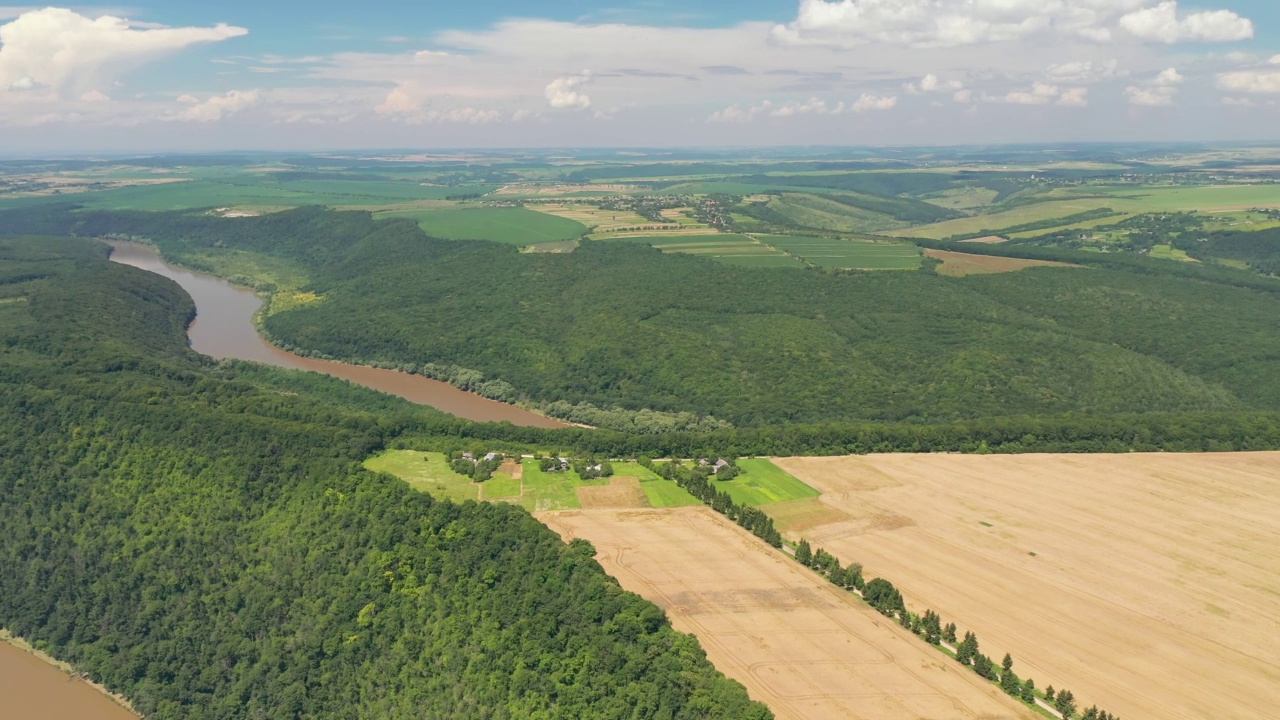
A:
x: 665, y: 494
x: 513, y: 226
x: 1127, y: 199
x: 843, y: 253
x: 811, y: 210
x: 729, y: 248
x: 501, y: 487
x: 427, y: 472
x: 256, y: 191
x: 762, y: 483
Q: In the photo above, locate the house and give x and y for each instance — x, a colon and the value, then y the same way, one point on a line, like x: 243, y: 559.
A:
x: 469, y: 456
x: 595, y: 468
x: 719, y: 465
x: 490, y: 457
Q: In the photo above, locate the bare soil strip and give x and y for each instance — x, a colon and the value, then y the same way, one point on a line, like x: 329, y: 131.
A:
x: 1148, y: 584
x: 958, y: 264
x: 808, y: 650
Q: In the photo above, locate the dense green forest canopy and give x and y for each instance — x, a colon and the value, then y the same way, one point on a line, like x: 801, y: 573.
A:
x: 207, y: 544
x: 624, y: 325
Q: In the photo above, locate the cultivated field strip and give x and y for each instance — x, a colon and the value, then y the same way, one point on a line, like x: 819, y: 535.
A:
x: 808, y: 650
x: 1147, y: 584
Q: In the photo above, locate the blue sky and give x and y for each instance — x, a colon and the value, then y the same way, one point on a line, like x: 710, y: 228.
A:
x: 328, y: 74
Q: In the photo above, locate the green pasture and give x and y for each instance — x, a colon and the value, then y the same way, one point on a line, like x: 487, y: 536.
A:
x: 770, y: 260
x: 513, y: 226
x: 810, y: 210
x: 659, y: 491
x: 1127, y: 199
x: 846, y: 253
x: 255, y: 191
x: 501, y: 487
x: 427, y: 472
x: 762, y: 483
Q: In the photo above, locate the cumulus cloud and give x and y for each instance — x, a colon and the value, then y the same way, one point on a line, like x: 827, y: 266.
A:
x: 930, y: 83
x: 868, y: 102
x: 1084, y: 71
x: 1162, y: 24
x: 561, y: 92
x: 65, y: 51
x: 216, y: 107
x: 1258, y: 82
x: 1160, y: 91
x: 1074, y: 97
x: 1042, y: 93
x: 948, y: 23
x: 735, y: 114
x: 1169, y: 77
x: 1158, y: 96
x: 398, y: 102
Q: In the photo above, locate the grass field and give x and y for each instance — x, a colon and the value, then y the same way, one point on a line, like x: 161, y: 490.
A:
x: 1127, y: 199
x: 762, y: 482
x: 259, y: 191
x: 427, y: 472
x: 727, y: 248
x: 1148, y: 584
x: 841, y: 253
x: 513, y: 226
x: 808, y: 650
x: 501, y: 487
x: 815, y: 211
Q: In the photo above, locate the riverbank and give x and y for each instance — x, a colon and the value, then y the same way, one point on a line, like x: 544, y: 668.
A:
x: 34, y: 684
x: 224, y: 327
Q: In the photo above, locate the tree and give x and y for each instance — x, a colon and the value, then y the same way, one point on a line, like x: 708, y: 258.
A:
x: 949, y: 633
x: 983, y: 666
x: 967, y: 649
x: 1066, y: 703
x: 804, y: 554
x: 883, y: 596
x: 1029, y: 691
x: 1049, y: 693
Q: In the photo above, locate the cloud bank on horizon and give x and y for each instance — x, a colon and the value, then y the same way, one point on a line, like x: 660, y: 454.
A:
x: 827, y: 72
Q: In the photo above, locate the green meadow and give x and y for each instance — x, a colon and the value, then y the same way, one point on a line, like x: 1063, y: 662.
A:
x: 762, y: 483
x: 511, y: 226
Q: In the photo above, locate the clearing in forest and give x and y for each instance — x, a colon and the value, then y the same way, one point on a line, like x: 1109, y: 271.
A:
x: 803, y: 647
x: 957, y: 264
x: 1148, y: 584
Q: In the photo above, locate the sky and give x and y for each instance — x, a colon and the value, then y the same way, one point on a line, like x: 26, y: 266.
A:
x: 329, y: 75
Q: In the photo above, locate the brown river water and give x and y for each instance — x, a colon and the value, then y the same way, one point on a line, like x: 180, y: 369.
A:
x: 224, y: 328
x: 32, y: 689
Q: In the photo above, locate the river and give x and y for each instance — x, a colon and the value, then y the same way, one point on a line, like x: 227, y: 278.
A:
x: 224, y: 328
x: 32, y: 689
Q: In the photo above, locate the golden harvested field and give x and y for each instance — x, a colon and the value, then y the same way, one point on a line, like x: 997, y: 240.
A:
x: 591, y: 216
x: 808, y: 650
x: 1148, y: 584
x: 958, y: 264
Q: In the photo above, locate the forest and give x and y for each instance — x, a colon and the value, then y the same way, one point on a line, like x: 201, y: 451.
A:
x: 201, y: 538
x: 622, y: 326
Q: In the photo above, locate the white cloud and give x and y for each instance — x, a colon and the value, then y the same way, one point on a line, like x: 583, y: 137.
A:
x: 1250, y: 81
x: 962, y: 96
x: 1074, y: 97
x: 465, y: 115
x: 930, y: 83
x: 950, y: 23
x: 66, y: 51
x: 1084, y: 71
x: 735, y: 114
x: 1158, y: 96
x: 95, y: 96
x: 813, y: 106
x: 216, y: 107
x: 560, y: 92
x: 866, y: 102
x: 398, y: 102
x: 1169, y: 77
x: 1162, y: 24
